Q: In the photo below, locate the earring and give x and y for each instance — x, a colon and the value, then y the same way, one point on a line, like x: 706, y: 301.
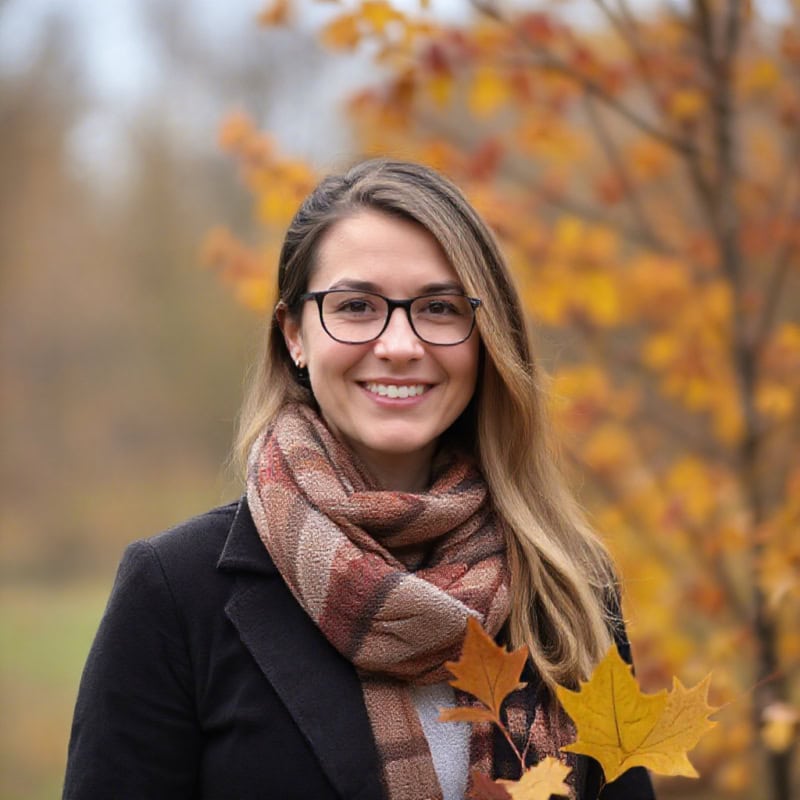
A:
x: 301, y: 372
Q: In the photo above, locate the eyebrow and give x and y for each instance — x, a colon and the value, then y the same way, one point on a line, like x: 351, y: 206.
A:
x: 368, y: 286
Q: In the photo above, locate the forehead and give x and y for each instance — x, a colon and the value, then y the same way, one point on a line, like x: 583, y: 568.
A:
x: 394, y: 254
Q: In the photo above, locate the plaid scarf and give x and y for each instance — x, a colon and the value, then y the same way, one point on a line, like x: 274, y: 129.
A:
x: 389, y: 578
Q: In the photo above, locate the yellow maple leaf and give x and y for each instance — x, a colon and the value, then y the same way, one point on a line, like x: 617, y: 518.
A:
x: 540, y: 782
x: 488, y: 672
x: 621, y: 727
x: 684, y: 721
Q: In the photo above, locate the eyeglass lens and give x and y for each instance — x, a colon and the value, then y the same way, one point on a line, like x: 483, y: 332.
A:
x: 358, y: 317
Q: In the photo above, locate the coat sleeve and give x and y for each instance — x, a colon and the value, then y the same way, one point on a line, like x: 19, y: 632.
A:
x: 135, y: 732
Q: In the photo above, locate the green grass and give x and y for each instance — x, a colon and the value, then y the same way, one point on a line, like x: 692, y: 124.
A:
x: 45, y: 634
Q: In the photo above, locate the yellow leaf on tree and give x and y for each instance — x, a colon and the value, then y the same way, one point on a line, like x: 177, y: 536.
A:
x: 378, y: 14
x: 568, y: 238
x: 648, y: 159
x: 540, y: 782
x: 599, y: 298
x: 440, y: 88
x: 488, y: 93
x: 277, y: 13
x: 254, y: 293
x: 549, y: 301
x: 661, y: 350
x: 775, y: 400
x: 609, y: 448
x: 686, y: 104
x: 780, y: 726
x: 621, y: 727
x: 760, y: 76
x: 342, y: 33
x: 487, y: 671
x: 690, y: 482
x: 276, y: 206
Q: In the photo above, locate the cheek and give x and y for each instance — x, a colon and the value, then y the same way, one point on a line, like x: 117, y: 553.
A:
x: 330, y: 363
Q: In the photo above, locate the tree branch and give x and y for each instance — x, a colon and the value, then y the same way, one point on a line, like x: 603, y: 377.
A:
x: 548, y: 61
x: 569, y: 205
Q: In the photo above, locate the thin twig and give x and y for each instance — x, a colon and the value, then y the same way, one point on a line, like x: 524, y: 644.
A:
x: 548, y: 61
x: 631, y: 192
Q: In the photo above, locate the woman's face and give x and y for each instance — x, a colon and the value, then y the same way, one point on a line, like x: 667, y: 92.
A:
x: 352, y: 383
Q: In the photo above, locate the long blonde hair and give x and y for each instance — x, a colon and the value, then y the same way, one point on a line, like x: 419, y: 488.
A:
x: 561, y: 574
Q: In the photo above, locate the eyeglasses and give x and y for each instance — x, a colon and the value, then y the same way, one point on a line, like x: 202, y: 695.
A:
x: 354, y: 317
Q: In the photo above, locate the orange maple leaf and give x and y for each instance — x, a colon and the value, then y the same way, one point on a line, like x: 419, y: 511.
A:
x: 488, y: 672
x: 621, y: 727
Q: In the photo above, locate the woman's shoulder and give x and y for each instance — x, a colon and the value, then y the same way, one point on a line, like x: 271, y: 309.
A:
x: 198, y: 536
x: 185, y: 555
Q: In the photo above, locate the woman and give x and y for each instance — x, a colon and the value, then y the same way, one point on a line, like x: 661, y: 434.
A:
x: 399, y: 480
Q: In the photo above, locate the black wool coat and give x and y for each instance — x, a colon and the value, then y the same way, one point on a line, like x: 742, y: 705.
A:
x: 208, y: 681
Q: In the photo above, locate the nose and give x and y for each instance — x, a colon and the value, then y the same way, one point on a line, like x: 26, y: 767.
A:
x: 399, y: 341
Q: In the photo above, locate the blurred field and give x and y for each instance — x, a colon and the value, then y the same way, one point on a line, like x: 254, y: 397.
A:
x: 45, y: 634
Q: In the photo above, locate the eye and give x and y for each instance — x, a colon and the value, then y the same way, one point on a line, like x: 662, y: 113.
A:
x: 442, y: 306
x: 348, y: 304
x: 354, y: 306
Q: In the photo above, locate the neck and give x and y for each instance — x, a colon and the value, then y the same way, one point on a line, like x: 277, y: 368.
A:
x: 401, y: 472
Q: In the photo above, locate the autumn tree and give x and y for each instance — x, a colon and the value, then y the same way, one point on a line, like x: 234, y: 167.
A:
x: 643, y: 173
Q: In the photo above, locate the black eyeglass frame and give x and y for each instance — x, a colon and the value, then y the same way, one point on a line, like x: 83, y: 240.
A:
x: 319, y: 297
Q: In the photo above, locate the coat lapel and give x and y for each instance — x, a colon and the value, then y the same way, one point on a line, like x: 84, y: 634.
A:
x: 318, y: 686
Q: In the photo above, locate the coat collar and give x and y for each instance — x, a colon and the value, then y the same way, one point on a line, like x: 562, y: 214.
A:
x: 244, y: 551
x: 318, y: 686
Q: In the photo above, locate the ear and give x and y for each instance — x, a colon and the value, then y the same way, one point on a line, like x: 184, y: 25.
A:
x: 292, y: 334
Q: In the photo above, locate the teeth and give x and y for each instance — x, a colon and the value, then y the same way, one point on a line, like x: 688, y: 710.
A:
x: 394, y: 391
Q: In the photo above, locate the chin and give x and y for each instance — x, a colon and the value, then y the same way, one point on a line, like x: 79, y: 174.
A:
x: 399, y: 443
x: 401, y: 446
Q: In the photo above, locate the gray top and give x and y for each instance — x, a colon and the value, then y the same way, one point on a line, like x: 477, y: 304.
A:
x: 448, y: 741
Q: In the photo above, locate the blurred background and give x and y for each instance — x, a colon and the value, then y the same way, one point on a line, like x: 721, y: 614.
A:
x: 639, y: 162
x: 123, y: 359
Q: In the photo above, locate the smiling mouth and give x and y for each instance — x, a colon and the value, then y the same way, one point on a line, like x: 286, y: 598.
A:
x: 394, y: 391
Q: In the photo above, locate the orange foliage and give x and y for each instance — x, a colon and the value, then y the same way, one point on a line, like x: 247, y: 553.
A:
x: 644, y: 180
